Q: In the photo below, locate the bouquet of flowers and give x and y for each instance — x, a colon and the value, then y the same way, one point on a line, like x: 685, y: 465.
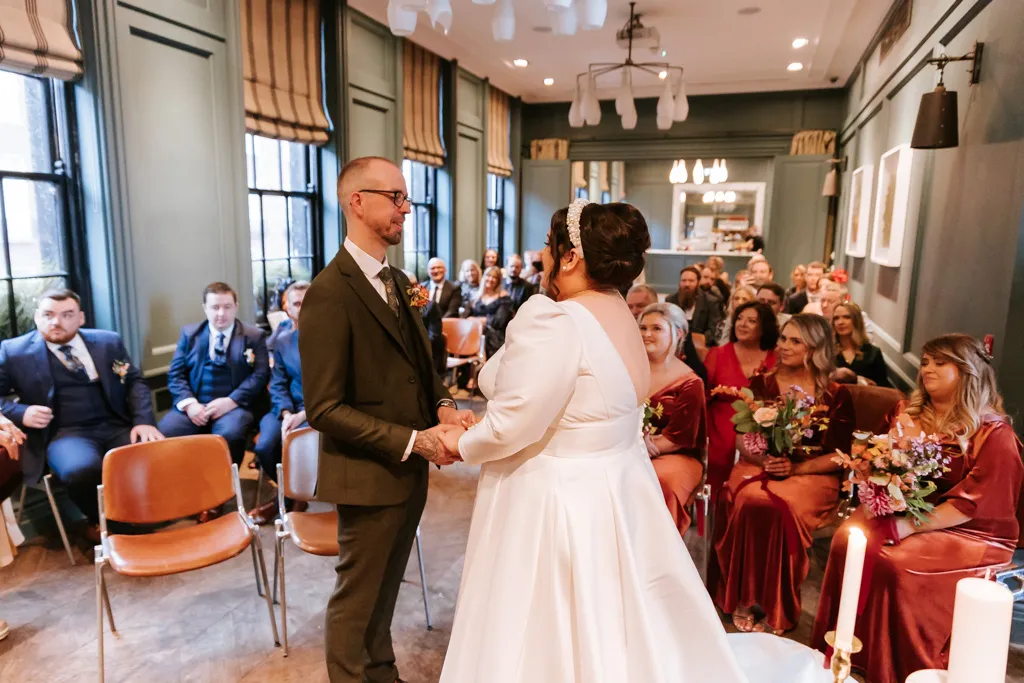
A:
x: 894, y: 474
x: 777, y: 427
x: 650, y: 414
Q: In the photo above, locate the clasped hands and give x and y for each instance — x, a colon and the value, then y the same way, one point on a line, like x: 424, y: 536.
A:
x: 440, y: 444
x: 201, y: 414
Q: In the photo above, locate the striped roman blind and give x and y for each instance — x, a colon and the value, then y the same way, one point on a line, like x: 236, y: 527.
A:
x: 499, y: 162
x: 281, y: 53
x: 37, y: 37
x: 421, y: 132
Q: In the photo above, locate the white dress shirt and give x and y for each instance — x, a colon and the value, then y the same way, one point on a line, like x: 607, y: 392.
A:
x: 184, y: 403
x: 371, y: 268
x: 436, y: 289
x: 81, y: 352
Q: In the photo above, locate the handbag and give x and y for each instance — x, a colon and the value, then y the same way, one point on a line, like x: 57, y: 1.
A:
x: 10, y: 474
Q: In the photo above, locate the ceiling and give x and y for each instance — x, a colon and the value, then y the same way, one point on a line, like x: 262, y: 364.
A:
x: 722, y: 50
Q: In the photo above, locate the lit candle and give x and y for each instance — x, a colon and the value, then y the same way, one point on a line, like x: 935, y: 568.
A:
x: 855, y: 546
x: 982, y: 615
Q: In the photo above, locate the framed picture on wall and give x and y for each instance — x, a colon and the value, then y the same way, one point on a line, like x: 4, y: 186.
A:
x: 858, y: 222
x: 892, y: 200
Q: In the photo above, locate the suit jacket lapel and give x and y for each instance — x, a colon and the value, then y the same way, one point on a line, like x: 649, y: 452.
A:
x: 403, y: 297
x: 236, y: 353
x: 370, y: 298
x: 202, y: 355
x: 104, y: 365
x: 40, y: 353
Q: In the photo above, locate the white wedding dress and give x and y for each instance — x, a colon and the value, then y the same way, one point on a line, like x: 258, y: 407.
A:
x: 574, y: 571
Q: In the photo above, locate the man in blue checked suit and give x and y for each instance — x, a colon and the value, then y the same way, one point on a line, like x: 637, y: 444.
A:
x: 219, y: 371
x: 80, y: 395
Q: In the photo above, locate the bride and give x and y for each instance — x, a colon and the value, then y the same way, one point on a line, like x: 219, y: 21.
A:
x: 574, y: 571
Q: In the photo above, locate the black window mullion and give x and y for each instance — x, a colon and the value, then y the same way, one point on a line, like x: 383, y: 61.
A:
x: 263, y: 252
x: 12, y: 304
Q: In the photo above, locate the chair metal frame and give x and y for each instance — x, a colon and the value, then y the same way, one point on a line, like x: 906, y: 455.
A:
x: 102, y: 559
x: 48, y: 487
x: 475, y: 362
x: 703, y: 498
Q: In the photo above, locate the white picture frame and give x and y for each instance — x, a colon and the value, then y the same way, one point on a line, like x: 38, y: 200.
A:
x: 858, y: 220
x: 892, y: 199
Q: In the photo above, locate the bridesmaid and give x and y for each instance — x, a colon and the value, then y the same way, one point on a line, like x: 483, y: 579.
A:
x: 750, y: 350
x: 908, y: 614
x: 675, y: 448
x: 763, y: 529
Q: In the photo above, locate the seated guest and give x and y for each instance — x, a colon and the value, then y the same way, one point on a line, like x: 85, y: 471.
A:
x: 519, y: 290
x: 285, y: 324
x: 493, y: 303
x: 834, y: 294
x: 80, y: 396
x: 907, y: 617
x: 749, y: 350
x: 469, y: 282
x: 775, y: 297
x: 679, y: 438
x: 762, y: 272
x: 219, y: 371
x: 287, y: 407
x: 740, y: 295
x: 711, y: 283
x: 490, y: 259
x: 717, y: 264
x: 811, y: 294
x: 703, y: 310
x: 639, y: 298
x: 534, y: 273
x: 754, y: 240
x: 446, y: 295
x: 771, y: 504
x: 798, y: 280
x: 743, y: 279
x: 856, y: 353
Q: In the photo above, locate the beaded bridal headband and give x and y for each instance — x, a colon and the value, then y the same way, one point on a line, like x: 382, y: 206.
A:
x: 572, y: 222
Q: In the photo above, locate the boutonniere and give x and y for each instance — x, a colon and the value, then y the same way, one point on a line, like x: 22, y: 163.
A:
x: 418, y: 296
x: 250, y: 357
x: 121, y: 368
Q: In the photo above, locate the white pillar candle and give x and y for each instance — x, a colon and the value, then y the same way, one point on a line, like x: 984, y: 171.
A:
x: 855, y: 546
x: 927, y: 676
x: 982, y: 615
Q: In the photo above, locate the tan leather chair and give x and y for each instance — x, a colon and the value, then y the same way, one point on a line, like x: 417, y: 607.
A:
x: 315, y: 533
x: 465, y: 343
x: 871, y: 405
x: 159, y: 481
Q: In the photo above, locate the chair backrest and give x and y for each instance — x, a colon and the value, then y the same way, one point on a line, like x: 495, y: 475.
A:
x: 871, y: 405
x: 157, y: 481
x: 463, y: 336
x: 300, y: 456
x: 275, y: 318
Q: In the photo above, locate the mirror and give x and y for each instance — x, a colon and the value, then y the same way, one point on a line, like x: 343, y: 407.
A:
x: 715, y: 217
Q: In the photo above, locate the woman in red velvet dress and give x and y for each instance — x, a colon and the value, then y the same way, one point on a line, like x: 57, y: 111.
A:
x: 763, y: 528
x: 907, y: 615
x: 751, y: 350
x: 676, y: 445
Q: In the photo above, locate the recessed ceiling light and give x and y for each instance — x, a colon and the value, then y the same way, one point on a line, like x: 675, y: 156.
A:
x: 662, y: 75
x: 795, y: 66
x: 799, y: 43
x: 664, y: 53
x: 520, y: 63
x: 747, y: 11
x: 549, y: 81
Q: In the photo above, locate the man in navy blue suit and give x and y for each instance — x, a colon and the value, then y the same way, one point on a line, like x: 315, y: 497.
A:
x: 288, y: 408
x: 80, y: 396
x: 218, y: 373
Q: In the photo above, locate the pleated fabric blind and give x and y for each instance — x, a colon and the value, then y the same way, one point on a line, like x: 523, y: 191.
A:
x: 421, y: 134
x: 579, y: 174
x: 499, y: 161
x: 549, y: 149
x: 281, y: 67
x: 813, y: 142
x: 37, y: 37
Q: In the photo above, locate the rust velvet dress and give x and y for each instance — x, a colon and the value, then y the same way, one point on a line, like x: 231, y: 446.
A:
x: 762, y: 533
x: 908, y: 614
x: 724, y: 370
x: 682, y: 423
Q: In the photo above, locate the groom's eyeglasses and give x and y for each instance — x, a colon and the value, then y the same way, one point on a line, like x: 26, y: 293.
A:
x: 397, y: 196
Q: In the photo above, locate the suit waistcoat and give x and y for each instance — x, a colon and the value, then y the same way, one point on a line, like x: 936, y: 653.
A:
x: 424, y: 365
x: 79, y: 402
x: 215, y: 381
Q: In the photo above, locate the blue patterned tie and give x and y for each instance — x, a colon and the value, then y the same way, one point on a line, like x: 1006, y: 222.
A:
x: 388, y: 278
x: 72, y: 363
x: 219, y: 356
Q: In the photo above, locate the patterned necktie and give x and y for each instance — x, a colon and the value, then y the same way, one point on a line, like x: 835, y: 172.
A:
x: 72, y: 363
x: 218, y: 350
x: 388, y: 278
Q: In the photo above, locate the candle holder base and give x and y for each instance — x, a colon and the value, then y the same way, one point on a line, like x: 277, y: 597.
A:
x: 928, y: 676
x: 841, y: 664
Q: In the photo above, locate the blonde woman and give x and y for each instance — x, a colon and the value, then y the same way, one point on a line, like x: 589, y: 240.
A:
x: 470, y: 275
x: 855, y: 353
x: 772, y: 505
x: 491, y: 301
x: 907, y: 618
x: 741, y: 295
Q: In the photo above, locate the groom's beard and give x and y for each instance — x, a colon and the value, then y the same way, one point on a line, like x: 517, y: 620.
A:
x: 687, y: 298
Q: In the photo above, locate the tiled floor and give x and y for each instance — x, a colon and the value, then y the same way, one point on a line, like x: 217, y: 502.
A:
x: 210, y: 626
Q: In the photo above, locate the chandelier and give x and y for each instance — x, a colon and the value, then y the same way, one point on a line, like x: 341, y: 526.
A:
x: 672, y: 105
x: 714, y: 174
x: 564, y: 16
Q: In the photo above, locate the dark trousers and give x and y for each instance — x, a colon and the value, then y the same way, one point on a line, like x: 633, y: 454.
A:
x: 374, y: 542
x: 75, y: 456
x: 233, y: 426
x: 268, y: 445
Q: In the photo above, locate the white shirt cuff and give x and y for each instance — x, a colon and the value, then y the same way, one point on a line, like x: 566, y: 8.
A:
x: 185, y: 403
x: 408, y: 449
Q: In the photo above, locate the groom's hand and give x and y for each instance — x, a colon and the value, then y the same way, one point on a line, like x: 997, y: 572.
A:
x: 429, y: 445
x: 456, y: 418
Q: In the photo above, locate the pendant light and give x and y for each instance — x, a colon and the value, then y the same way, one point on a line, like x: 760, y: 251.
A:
x: 576, y: 118
x: 666, y: 106
x: 563, y: 23
x: 937, y: 125
x: 629, y: 116
x: 698, y: 172
x: 592, y: 13
x: 503, y: 25
x: 440, y: 13
x: 682, y: 105
x: 593, y: 110
x: 401, y: 21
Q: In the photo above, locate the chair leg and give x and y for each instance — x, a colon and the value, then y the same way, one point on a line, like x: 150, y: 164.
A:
x: 21, y: 504
x: 56, y: 516
x: 277, y: 555
x: 106, y: 602
x: 423, y: 580
x: 256, y: 570
x: 266, y: 583
x: 279, y: 563
x: 99, y: 609
x: 259, y: 489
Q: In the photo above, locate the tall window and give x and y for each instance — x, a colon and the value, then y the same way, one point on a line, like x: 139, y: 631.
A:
x: 282, y: 217
x: 419, y: 242
x: 496, y: 214
x: 35, y: 196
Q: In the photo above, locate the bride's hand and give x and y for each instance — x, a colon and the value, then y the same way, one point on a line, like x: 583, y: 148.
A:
x: 450, y: 440
x: 652, y: 450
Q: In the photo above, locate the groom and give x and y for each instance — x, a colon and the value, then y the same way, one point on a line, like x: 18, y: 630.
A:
x: 372, y: 393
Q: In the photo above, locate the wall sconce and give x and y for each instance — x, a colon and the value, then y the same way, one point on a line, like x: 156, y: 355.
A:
x: 937, y: 124
x: 831, y: 187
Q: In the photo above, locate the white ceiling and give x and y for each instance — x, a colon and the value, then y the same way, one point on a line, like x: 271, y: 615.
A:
x: 721, y: 50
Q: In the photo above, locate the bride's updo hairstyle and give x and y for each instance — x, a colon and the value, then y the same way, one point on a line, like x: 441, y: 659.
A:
x: 615, y: 239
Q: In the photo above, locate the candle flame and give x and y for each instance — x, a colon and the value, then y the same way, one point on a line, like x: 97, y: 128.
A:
x: 856, y: 530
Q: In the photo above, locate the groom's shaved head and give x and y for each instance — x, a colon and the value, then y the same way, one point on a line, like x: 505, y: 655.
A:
x: 360, y: 174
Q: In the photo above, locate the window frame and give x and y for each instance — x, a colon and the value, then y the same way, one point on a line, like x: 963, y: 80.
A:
x: 496, y: 210
x: 428, y: 205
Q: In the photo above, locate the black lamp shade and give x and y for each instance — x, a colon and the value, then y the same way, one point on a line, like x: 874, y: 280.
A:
x: 937, y: 123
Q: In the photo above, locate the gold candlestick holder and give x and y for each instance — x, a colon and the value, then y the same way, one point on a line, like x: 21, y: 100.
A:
x: 841, y: 664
